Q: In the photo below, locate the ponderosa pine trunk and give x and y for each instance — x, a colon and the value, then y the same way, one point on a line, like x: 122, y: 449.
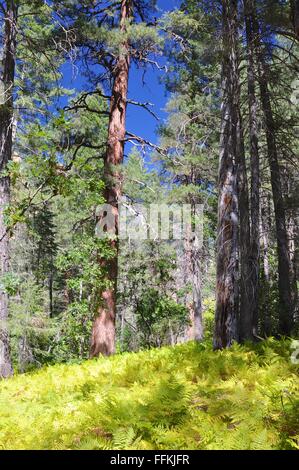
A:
x: 103, y: 330
x: 226, y: 316
x: 6, y: 134
x: 284, y: 265
x: 253, y: 281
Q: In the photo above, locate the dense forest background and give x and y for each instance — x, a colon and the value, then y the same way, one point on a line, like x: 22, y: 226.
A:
x: 230, y: 74
x: 185, y: 340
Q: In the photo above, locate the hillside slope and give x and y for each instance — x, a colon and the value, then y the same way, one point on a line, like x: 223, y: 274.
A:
x: 186, y: 397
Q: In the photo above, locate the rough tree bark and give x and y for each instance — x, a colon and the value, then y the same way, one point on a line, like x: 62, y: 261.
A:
x: 265, y: 228
x: 226, y: 328
x: 6, y: 134
x: 292, y: 230
x: 253, y: 281
x: 292, y: 214
x: 284, y: 266
x: 197, y: 330
x: 245, y: 309
x: 295, y: 16
x: 193, y: 257
x: 103, y: 330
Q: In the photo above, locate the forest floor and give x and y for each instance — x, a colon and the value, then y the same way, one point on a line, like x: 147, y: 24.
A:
x: 185, y: 397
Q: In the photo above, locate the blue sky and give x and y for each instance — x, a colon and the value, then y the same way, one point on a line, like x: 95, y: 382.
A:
x: 139, y: 121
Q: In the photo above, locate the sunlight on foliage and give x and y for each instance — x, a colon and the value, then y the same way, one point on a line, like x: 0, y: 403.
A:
x: 186, y: 397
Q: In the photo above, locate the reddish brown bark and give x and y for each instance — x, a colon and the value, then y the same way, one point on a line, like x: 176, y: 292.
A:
x: 103, y: 330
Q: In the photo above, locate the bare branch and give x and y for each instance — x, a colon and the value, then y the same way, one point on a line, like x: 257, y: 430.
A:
x: 144, y: 143
x: 145, y: 106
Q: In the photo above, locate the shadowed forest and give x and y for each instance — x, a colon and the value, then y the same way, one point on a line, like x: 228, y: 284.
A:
x: 149, y: 224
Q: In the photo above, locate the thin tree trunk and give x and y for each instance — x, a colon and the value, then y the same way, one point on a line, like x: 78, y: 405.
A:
x: 226, y: 328
x: 197, y: 301
x: 295, y: 16
x: 51, y: 306
x: 253, y: 281
x: 193, y: 258
x: 284, y: 268
x: 6, y: 134
x: 265, y: 225
x: 245, y: 315
x: 292, y: 229
x: 103, y: 331
x: 291, y: 208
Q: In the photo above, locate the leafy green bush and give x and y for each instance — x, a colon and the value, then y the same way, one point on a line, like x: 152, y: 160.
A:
x: 32, y: 332
x: 73, y: 339
x: 158, y: 318
x: 209, y: 316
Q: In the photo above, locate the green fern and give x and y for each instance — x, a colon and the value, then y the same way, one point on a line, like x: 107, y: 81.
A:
x: 186, y: 397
